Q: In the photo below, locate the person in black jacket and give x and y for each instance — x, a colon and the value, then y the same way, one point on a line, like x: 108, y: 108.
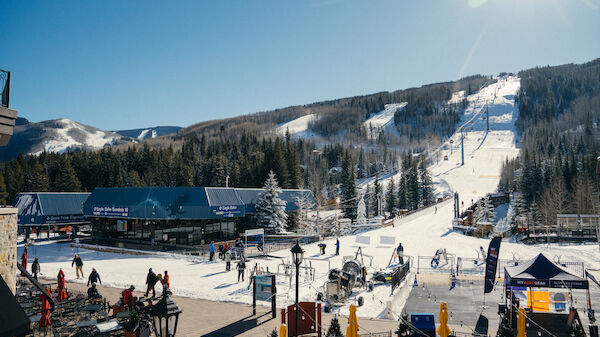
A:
x: 78, y: 265
x: 94, y: 277
x: 151, y: 280
x: 35, y: 268
x: 241, y: 267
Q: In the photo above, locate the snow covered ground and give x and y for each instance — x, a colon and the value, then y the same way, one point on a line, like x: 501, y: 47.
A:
x: 298, y: 127
x: 421, y: 234
x: 383, y: 120
x: 72, y: 134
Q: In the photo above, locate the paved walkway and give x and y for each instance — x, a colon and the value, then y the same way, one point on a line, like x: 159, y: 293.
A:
x: 209, y: 318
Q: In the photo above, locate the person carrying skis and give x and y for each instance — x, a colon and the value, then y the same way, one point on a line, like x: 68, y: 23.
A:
x: 35, y: 268
x: 211, y: 250
x: 227, y: 260
x: 78, y: 265
x: 94, y: 277
x: 241, y: 267
x: 151, y: 280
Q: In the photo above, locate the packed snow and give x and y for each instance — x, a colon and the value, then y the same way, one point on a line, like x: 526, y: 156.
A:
x: 383, y: 120
x: 421, y: 233
x: 71, y: 134
x: 298, y: 127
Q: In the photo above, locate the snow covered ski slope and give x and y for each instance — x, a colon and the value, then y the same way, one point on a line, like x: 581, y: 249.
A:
x: 383, y: 120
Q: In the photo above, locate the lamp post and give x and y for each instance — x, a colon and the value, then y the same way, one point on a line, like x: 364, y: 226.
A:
x: 165, y: 316
x: 297, y: 255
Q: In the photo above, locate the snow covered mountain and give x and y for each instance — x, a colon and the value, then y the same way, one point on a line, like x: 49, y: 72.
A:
x: 147, y: 133
x: 57, y: 135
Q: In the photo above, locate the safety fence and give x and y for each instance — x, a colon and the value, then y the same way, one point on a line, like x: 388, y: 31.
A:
x: 399, y: 275
x: 378, y: 334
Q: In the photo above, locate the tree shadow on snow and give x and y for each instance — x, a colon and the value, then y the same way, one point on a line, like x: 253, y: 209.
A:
x: 223, y: 285
x: 213, y: 274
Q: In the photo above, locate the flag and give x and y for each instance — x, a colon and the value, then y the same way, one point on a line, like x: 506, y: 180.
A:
x: 491, y: 264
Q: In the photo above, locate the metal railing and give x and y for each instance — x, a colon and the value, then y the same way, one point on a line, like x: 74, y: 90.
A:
x: 4, y: 87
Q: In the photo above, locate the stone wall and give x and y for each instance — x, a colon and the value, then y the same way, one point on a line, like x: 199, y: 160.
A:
x: 8, y: 246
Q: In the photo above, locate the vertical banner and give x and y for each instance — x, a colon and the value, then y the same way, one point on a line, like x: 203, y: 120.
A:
x: 491, y: 264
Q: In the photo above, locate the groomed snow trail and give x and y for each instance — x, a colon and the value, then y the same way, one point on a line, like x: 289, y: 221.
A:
x: 421, y: 233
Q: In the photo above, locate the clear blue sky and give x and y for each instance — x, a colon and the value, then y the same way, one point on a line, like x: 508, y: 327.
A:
x: 128, y: 64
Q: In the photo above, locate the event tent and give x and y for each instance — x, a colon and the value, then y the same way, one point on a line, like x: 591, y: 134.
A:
x: 541, y: 272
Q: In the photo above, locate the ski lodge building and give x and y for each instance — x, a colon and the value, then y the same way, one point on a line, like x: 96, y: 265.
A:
x: 174, y: 217
x: 50, y: 211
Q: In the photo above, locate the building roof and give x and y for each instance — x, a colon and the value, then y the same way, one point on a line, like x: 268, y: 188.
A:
x: 44, y: 208
x: 164, y: 203
x: 13, y: 321
x: 180, y: 202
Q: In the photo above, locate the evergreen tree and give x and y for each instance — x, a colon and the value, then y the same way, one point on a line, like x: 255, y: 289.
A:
x: 348, y: 188
x: 270, y: 208
x: 66, y: 179
x: 361, y: 208
x: 36, y: 179
x: 3, y: 192
x: 133, y: 179
x: 413, y: 187
x: 427, y: 197
x: 391, y: 201
x: 401, y: 201
x: 377, y: 197
x: 334, y: 329
x: 487, y: 213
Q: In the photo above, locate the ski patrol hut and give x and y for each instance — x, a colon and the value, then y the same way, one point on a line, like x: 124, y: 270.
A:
x: 50, y: 211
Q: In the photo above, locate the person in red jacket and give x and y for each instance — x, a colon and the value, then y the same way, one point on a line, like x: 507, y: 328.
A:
x: 127, y: 295
x: 24, y: 260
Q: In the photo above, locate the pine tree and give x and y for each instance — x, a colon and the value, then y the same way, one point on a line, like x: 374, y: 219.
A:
x: 361, y: 208
x: 334, y: 328
x: 402, y: 204
x: 305, y: 204
x: 348, y: 187
x: 488, y: 214
x: 270, y: 208
x: 427, y: 197
x: 413, y: 188
x: 391, y: 201
x: 36, y: 179
x: 66, y: 179
x: 377, y: 195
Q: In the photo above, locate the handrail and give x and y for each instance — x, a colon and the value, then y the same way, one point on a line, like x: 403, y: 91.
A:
x: 37, y: 285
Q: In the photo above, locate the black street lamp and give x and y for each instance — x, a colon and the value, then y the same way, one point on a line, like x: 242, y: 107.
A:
x: 297, y: 256
x: 165, y: 316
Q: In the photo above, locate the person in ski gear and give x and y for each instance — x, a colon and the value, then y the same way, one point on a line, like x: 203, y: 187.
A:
x: 93, y: 292
x: 322, y: 248
x: 260, y: 246
x: 94, y: 277
x: 452, y: 281
x: 166, y: 280
x: 35, y: 268
x: 400, y: 253
x: 78, y: 265
x: 241, y: 267
x: 337, y: 246
x: 221, y: 251
x: 211, y: 250
x: 151, y: 280
x: 227, y: 260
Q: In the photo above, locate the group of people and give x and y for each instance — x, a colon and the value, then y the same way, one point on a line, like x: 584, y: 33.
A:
x: 152, y: 279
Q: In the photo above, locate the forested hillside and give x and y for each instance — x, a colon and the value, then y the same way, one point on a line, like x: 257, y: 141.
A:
x: 559, y: 113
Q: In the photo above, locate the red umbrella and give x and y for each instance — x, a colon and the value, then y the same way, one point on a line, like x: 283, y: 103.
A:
x: 24, y: 261
x: 61, y: 286
x: 45, y: 319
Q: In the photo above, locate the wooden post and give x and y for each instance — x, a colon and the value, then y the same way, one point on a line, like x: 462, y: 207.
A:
x: 273, y: 296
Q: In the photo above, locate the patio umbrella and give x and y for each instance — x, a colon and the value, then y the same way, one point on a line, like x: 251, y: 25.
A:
x: 283, y: 330
x: 45, y: 312
x: 352, y: 330
x: 24, y: 261
x: 443, y: 330
x: 521, y: 323
x: 61, y: 286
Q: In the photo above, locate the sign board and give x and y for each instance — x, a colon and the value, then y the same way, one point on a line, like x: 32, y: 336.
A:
x: 227, y: 211
x: 111, y: 211
x: 387, y: 240
x: 264, y: 290
x: 255, y: 232
x: 363, y: 239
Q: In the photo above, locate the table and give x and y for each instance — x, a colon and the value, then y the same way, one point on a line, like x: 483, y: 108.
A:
x: 123, y: 314
x: 108, y: 326
x: 35, y: 318
x: 92, y: 307
x: 85, y: 324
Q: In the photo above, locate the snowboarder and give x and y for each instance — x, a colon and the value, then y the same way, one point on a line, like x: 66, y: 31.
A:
x: 211, y: 250
x: 24, y: 260
x: 35, y: 268
x: 94, y: 277
x: 337, y: 246
x: 151, y: 280
x: 78, y: 265
x: 227, y: 260
x: 166, y: 282
x: 241, y: 267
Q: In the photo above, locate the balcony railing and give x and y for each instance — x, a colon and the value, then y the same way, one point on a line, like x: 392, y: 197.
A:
x: 4, y: 87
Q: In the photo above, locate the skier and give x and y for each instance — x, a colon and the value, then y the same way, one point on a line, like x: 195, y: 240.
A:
x: 151, y: 282
x: 452, y: 281
x: 322, y: 248
x: 35, y: 268
x: 241, y: 267
x: 337, y: 246
x: 227, y: 260
x: 166, y: 281
x: 94, y: 277
x: 78, y: 265
x: 24, y: 260
x: 211, y: 250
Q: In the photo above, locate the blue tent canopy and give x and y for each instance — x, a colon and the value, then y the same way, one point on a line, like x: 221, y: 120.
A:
x: 49, y: 208
x: 543, y: 273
